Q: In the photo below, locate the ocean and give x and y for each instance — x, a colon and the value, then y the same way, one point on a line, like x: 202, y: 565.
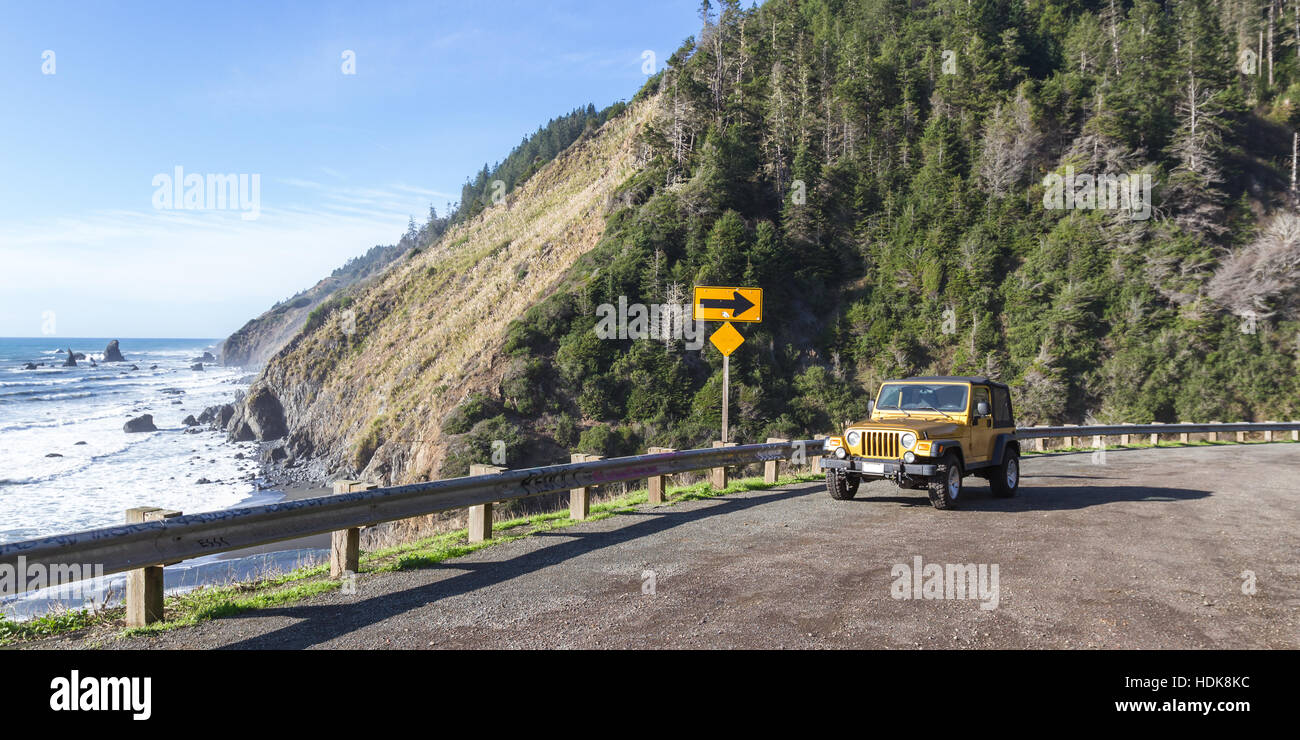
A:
x: 67, y: 465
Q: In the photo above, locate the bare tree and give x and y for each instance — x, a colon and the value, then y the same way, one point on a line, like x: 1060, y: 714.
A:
x: 1263, y: 278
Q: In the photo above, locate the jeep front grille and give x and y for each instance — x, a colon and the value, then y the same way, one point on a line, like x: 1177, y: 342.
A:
x: 880, y: 444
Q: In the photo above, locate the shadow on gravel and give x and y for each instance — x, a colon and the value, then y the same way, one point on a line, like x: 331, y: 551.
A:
x: 1044, y: 498
x: 328, y: 621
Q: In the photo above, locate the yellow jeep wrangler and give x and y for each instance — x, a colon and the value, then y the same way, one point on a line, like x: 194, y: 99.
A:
x: 930, y: 432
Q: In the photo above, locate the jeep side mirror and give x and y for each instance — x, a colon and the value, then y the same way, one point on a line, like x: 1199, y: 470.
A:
x: 982, y: 408
x: 871, y: 407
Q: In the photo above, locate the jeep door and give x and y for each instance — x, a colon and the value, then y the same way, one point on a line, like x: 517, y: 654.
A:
x: 981, y: 427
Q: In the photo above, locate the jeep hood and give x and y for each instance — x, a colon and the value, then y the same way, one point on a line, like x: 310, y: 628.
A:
x: 927, y: 428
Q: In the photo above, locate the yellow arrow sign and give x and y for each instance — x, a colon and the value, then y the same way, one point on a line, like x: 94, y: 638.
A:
x: 714, y: 303
x: 727, y: 339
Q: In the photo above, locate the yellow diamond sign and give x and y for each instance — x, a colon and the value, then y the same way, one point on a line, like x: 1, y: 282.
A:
x: 727, y: 339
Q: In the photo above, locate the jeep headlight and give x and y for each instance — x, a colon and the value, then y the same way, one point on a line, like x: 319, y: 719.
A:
x: 907, y: 440
x: 841, y: 453
x: 853, y: 438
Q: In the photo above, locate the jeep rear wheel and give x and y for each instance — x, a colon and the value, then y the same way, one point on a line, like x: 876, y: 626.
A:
x: 945, y: 484
x: 1006, y: 480
x: 842, y: 486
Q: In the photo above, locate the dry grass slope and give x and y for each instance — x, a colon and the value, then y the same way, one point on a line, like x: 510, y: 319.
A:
x: 429, y: 332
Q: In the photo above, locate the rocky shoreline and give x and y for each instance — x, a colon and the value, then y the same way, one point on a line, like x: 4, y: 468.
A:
x: 257, y: 416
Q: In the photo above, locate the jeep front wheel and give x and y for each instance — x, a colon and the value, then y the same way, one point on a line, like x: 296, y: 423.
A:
x: 945, y: 484
x: 1006, y: 480
x: 842, y: 486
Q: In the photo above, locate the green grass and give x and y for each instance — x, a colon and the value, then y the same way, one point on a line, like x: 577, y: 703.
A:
x: 214, y: 602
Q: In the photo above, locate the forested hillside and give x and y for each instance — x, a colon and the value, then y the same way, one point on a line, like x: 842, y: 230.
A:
x: 891, y: 173
x: 880, y: 167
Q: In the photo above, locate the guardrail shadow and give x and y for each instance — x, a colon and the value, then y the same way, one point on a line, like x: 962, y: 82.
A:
x: 324, y: 622
x: 978, y: 497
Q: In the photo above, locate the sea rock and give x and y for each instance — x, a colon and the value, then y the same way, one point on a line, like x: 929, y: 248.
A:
x: 135, y: 367
x: 79, y: 355
x: 29, y: 366
x: 72, y: 359
x: 275, y: 454
x: 202, y: 481
x: 78, y: 443
x: 196, y: 366
x: 113, y: 353
x: 54, y: 454
x: 190, y: 421
x: 265, y: 415
x: 140, y: 424
x: 207, y: 357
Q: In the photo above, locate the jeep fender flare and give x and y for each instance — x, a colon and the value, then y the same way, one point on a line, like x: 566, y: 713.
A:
x: 944, y: 446
x: 1001, y: 443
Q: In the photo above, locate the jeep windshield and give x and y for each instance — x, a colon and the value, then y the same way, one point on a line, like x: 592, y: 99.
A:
x: 922, y: 397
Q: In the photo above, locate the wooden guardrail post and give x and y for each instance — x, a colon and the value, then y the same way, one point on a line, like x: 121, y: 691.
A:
x: 718, y: 475
x: 1295, y: 433
x: 1268, y: 433
x: 1155, y: 438
x: 815, y: 461
x: 771, y: 468
x: 1241, y: 436
x: 480, y: 517
x: 144, y: 586
x: 1124, y: 439
x: 657, y: 485
x: 1068, y: 441
x: 345, y: 544
x: 1212, y: 436
x: 580, y: 498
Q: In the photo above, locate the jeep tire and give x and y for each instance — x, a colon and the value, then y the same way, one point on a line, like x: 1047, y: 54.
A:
x: 841, y: 485
x: 1004, y: 481
x: 945, y: 484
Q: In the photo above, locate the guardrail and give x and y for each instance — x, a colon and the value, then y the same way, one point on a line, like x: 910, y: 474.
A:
x: 157, y: 537
x: 166, y: 537
x: 1127, y: 431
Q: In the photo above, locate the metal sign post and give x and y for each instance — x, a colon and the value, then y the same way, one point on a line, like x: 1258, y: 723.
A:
x: 714, y: 303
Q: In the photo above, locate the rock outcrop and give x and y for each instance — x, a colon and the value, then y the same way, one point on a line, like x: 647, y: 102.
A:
x: 113, y: 353
x: 265, y: 415
x: 140, y: 424
x: 72, y: 359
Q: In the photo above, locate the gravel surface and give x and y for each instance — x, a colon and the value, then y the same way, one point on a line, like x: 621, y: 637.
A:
x: 1144, y: 551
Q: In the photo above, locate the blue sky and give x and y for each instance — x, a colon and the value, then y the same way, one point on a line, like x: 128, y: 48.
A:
x: 138, y: 89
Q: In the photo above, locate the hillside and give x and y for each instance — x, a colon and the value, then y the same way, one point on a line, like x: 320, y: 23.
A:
x: 372, y: 395
x: 256, y: 341
x: 892, y: 175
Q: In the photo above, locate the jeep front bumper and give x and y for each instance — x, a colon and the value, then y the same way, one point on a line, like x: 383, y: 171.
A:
x: 879, y: 468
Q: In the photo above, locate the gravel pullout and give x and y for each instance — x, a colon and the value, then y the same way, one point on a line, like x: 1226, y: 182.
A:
x: 1145, y: 551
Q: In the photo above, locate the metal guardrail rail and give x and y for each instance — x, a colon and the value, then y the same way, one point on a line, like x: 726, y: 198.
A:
x: 1112, y: 430
x: 134, y: 546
